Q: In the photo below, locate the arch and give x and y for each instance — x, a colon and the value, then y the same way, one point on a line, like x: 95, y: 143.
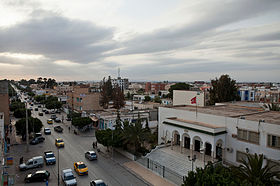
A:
x: 176, y: 137
x: 197, y: 142
x: 167, y: 135
x: 186, y: 139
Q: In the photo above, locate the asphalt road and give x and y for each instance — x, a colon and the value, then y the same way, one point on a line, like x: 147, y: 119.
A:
x: 110, y: 171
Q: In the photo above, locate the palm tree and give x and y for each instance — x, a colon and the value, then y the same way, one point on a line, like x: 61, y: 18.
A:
x: 253, y: 172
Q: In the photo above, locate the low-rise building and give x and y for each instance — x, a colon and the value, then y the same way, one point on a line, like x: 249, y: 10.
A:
x: 4, y: 101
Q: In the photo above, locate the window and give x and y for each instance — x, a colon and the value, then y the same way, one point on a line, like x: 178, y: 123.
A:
x: 240, y: 156
x: 249, y: 136
x: 273, y: 141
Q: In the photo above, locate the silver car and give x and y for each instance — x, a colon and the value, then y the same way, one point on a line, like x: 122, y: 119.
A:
x: 91, y: 155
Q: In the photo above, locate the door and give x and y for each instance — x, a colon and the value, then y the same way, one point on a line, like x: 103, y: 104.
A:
x: 177, y: 139
x: 219, y: 153
x: 187, y: 143
x: 208, y: 149
x: 197, y: 145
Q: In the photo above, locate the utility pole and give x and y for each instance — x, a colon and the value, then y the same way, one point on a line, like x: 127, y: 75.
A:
x: 58, y: 166
x: 26, y: 134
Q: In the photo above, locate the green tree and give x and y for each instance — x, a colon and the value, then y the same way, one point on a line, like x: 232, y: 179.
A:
x: 21, y: 113
x: 254, y: 172
x: 53, y: 103
x: 104, y: 137
x: 147, y: 98
x: 34, y: 125
x: 106, y: 92
x: 40, y: 98
x: 157, y: 99
x: 273, y: 106
x: 16, y: 105
x: 178, y: 86
x: 211, y: 175
x: 118, y: 98
x: 223, y: 90
x: 81, y: 122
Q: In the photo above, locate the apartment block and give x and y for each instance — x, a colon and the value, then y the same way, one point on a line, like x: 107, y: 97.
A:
x: 154, y: 88
x: 4, y: 101
x: 82, y: 99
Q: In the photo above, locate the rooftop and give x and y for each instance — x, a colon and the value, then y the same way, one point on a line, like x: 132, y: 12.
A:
x: 250, y: 111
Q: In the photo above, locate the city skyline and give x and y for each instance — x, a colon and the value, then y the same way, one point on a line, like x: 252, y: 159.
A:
x: 148, y: 40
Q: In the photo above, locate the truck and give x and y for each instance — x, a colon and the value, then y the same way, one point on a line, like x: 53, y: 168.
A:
x: 68, y: 177
x: 32, y: 163
x: 49, y: 157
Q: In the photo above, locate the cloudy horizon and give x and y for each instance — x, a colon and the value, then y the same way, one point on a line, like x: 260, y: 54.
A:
x: 158, y: 40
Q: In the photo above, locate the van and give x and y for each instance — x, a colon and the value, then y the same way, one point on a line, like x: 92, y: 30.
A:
x: 34, y: 162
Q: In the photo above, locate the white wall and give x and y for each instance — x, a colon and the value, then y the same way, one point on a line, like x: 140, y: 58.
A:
x: 231, y: 125
x: 183, y: 97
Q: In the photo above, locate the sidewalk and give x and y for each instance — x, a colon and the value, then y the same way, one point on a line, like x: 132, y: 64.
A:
x: 135, y: 168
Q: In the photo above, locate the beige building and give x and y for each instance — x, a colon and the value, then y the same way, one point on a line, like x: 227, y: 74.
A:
x: 82, y: 99
x: 4, y: 101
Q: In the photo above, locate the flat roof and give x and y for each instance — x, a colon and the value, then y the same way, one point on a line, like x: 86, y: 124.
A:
x: 196, y: 123
x: 250, y: 111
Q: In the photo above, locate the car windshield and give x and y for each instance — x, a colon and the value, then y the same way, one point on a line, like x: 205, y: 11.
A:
x: 49, y: 155
x: 69, y: 177
x: 59, y: 141
x: 101, y: 184
x: 92, y: 154
x: 29, y: 162
x: 81, y: 166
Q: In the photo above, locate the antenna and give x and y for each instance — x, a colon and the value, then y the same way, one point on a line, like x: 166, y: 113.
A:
x: 119, y: 72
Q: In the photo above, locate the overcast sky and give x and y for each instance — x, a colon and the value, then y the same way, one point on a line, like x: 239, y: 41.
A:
x: 151, y: 40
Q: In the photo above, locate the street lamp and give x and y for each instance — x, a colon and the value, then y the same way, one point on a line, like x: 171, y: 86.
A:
x: 192, y: 160
x: 26, y: 127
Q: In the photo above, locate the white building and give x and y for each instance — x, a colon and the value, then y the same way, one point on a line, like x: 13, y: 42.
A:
x: 226, y: 132
x: 122, y: 83
x: 186, y: 97
x: 247, y: 93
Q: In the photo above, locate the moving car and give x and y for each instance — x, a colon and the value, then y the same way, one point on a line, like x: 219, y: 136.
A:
x: 97, y: 183
x: 32, y: 163
x: 49, y: 157
x: 36, y: 109
x: 37, y: 140
x: 50, y: 121
x: 47, y: 112
x: 57, y: 111
x: 91, y: 155
x: 68, y: 177
x: 53, y: 116
x: 37, y: 176
x: 58, y: 129
x: 57, y: 120
x: 68, y: 119
x: 41, y: 113
x: 47, y: 131
x: 59, y: 142
x: 80, y: 168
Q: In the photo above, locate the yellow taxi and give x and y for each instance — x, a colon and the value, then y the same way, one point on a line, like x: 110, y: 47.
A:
x: 80, y: 168
x: 50, y: 121
x: 59, y: 142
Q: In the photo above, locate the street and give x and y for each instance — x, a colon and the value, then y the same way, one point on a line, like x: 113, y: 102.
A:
x: 110, y: 171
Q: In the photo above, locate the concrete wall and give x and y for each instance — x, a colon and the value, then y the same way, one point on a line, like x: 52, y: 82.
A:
x: 231, y: 125
x: 183, y: 97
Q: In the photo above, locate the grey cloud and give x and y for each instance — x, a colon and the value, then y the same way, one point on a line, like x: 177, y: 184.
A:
x: 58, y: 38
x: 214, y: 16
x: 267, y: 37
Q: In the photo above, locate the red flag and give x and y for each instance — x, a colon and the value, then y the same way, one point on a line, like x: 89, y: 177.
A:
x: 193, y: 100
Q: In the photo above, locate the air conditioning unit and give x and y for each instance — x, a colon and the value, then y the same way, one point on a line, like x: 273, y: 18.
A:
x: 229, y: 149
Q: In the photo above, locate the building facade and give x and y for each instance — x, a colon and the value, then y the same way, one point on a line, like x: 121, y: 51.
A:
x: 81, y: 99
x: 4, y: 101
x: 154, y: 88
x: 122, y: 83
x: 225, y: 132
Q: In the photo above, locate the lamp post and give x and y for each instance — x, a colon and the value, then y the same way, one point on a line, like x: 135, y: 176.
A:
x: 192, y: 160
x: 26, y: 127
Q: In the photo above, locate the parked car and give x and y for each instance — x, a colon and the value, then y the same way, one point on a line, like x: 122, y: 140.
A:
x: 36, y: 109
x: 41, y: 175
x: 47, y: 112
x: 58, y: 111
x: 91, y: 155
x: 58, y: 129
x: 37, y: 140
x: 97, y: 183
x: 59, y: 142
x: 80, y: 168
x: 52, y: 112
x: 41, y: 114
x: 43, y: 110
x: 47, y: 131
x: 39, y: 106
x: 32, y: 163
x: 68, y: 177
x: 57, y: 120
x: 50, y: 121
x: 68, y: 119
